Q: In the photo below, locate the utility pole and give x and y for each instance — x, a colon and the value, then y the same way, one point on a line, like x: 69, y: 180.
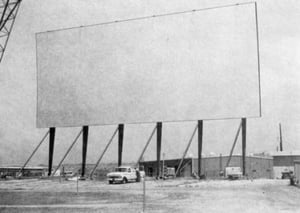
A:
x: 280, y: 145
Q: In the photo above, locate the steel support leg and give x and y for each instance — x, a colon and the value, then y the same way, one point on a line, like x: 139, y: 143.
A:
x: 120, y: 144
x: 200, y: 137
x: 51, y: 149
x: 158, y: 145
x: 244, y: 128
x: 85, y: 133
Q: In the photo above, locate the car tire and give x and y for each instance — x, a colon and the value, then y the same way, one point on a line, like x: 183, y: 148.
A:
x: 110, y: 182
x: 124, y: 180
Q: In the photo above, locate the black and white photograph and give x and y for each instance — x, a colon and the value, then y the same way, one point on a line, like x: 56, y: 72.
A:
x: 149, y: 106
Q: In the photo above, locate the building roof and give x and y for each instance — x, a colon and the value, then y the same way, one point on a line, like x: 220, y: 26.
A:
x: 210, y: 157
x: 286, y: 153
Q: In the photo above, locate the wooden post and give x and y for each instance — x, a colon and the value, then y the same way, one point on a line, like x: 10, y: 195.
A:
x: 85, y: 133
x: 51, y: 149
x: 158, y: 146
x: 120, y: 145
x: 244, y: 128
x: 200, y: 137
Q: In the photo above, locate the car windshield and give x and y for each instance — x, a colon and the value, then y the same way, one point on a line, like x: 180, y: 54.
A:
x: 120, y: 169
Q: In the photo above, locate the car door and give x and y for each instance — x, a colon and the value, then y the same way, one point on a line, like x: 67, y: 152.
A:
x: 129, y: 172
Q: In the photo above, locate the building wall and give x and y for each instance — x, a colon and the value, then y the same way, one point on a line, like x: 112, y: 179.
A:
x: 285, y: 160
x: 256, y: 167
x: 297, y: 171
x: 284, y: 163
x: 27, y: 172
x: 279, y: 169
x: 151, y: 170
x: 259, y: 167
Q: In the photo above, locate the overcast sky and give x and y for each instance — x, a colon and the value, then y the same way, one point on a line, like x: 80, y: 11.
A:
x: 279, y: 34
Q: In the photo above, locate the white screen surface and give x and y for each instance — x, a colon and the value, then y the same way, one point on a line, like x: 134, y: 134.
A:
x: 184, y: 66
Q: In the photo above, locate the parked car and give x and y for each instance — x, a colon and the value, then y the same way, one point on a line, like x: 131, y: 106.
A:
x: 124, y: 174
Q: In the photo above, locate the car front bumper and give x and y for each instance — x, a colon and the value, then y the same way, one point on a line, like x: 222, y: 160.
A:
x: 115, y: 179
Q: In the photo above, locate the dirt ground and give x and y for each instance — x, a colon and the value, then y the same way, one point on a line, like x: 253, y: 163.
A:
x: 180, y: 195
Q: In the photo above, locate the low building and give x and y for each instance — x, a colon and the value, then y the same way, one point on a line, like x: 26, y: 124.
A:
x: 284, y: 162
x: 14, y: 171
x: 213, y: 167
x: 297, y: 171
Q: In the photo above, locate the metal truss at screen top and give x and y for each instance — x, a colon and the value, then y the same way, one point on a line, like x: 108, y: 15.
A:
x: 8, y: 13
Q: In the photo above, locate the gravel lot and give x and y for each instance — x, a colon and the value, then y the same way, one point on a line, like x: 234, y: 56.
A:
x: 180, y: 195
